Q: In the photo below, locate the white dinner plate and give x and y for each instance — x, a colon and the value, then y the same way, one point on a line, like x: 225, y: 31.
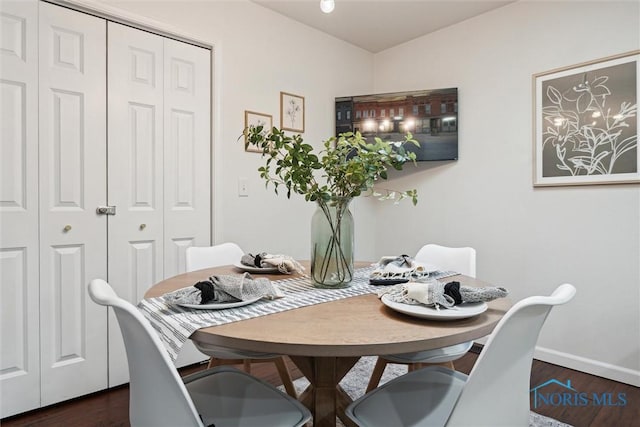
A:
x: 462, y: 311
x: 249, y: 269
x: 220, y: 305
x: 428, y: 268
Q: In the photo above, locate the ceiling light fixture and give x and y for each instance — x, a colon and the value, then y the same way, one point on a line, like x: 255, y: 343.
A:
x: 327, y: 6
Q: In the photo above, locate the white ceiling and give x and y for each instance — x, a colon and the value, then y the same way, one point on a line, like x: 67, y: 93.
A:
x: 376, y: 25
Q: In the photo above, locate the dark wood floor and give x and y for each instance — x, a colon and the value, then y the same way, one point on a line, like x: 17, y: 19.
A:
x: 110, y: 408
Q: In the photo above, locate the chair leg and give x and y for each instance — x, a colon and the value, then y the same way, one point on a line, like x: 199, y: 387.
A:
x: 212, y: 363
x: 247, y: 365
x: 378, y: 370
x: 285, y: 377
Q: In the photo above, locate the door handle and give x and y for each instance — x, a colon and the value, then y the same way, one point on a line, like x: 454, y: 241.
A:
x: 106, y: 210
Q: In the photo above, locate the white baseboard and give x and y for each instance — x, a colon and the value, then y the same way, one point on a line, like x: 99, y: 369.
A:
x: 590, y: 366
x: 582, y: 364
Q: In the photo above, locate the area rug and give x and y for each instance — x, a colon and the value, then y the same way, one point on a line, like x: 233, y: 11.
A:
x: 355, y: 383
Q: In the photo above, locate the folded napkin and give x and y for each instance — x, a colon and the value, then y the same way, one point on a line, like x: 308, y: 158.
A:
x: 437, y: 294
x: 399, y: 267
x: 222, y: 289
x: 284, y: 263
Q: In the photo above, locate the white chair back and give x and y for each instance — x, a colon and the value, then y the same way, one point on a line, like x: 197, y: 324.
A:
x: 499, y: 380
x: 198, y: 258
x: 157, y: 395
x: 460, y: 260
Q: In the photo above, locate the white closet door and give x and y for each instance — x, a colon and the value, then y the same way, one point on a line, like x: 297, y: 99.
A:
x: 187, y: 154
x: 187, y: 151
x: 19, y: 288
x: 73, y: 237
x: 135, y: 159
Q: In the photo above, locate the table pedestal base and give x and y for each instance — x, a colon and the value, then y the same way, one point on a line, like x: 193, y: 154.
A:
x: 324, y: 397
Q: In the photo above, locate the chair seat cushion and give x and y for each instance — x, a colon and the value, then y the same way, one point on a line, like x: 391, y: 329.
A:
x: 229, y: 353
x: 420, y: 398
x: 437, y: 355
x: 225, y: 396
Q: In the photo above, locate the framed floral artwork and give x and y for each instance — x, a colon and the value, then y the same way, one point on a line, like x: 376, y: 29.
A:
x: 291, y: 112
x: 586, y: 123
x: 251, y: 118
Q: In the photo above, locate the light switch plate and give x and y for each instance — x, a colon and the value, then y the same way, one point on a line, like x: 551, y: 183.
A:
x: 243, y: 187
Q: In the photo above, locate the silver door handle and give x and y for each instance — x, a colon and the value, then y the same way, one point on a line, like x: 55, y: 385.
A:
x: 106, y: 210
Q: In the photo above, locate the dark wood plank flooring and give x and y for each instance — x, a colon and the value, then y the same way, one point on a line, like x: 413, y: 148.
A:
x: 110, y: 407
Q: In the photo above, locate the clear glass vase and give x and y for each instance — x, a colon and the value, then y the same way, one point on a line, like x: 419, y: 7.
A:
x: 332, y: 244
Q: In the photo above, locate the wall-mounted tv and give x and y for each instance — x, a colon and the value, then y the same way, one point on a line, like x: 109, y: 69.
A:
x: 430, y: 115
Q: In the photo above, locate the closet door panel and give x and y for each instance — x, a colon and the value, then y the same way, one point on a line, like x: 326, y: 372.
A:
x: 187, y: 166
x: 19, y: 288
x: 187, y: 151
x: 135, y: 162
x: 72, y: 129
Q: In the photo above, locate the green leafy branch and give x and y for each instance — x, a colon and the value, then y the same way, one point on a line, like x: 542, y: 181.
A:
x: 347, y: 167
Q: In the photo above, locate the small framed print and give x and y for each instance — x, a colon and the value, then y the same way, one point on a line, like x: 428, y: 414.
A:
x: 291, y: 112
x: 586, y: 123
x: 252, y: 118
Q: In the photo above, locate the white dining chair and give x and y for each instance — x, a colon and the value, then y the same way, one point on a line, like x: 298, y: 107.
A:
x: 221, y: 396
x: 495, y: 393
x: 460, y: 260
x: 201, y: 257
x: 198, y: 258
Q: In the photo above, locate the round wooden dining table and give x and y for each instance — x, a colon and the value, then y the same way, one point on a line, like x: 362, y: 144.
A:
x: 325, y: 340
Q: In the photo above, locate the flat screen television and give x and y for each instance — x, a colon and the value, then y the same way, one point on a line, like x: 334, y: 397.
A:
x: 430, y: 115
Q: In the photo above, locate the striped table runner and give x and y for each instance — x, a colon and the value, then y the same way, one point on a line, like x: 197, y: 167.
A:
x: 175, y: 324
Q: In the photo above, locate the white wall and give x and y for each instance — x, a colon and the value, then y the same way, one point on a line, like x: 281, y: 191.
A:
x: 259, y: 53
x: 528, y: 240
